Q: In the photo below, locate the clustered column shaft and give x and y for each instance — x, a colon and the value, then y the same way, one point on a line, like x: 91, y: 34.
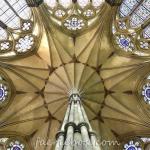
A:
x: 76, y: 132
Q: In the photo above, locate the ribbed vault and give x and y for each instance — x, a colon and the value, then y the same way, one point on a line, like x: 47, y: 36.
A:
x: 110, y: 84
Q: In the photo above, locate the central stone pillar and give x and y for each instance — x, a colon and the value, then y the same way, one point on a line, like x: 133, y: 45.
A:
x: 76, y: 132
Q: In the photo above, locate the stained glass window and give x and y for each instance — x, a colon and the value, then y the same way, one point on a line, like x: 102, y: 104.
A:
x: 83, y: 3
x: 146, y: 32
x: 5, y: 89
x: 132, y: 146
x: 73, y: 16
x: 146, y: 93
x: 65, y: 3
x: 97, y: 3
x: 129, y: 35
x: 13, y: 143
x: 17, y: 28
x: 142, y: 13
x: 3, y: 34
x: 127, y: 7
x: 138, y: 11
x: 12, y: 11
x: 51, y: 3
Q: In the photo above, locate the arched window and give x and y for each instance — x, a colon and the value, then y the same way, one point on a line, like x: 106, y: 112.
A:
x: 127, y: 7
x: 18, y: 30
x: 73, y: 16
x: 131, y: 28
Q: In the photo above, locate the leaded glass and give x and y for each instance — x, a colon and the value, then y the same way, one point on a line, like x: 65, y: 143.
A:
x: 3, y: 34
x: 21, y: 8
x: 74, y: 23
x: 65, y: 3
x: 132, y: 16
x: 3, y: 92
x: 144, y: 45
x: 25, y: 44
x: 127, y: 7
x: 73, y: 15
x: 16, y: 145
x: 132, y: 146
x: 60, y: 13
x: 13, y: 142
x: 142, y: 13
x: 146, y: 32
x: 51, y: 3
x: 11, y: 11
x: 6, y: 90
x: 146, y: 93
x: 83, y: 3
x: 19, y: 28
x: 8, y: 16
x: 125, y: 43
x: 97, y: 3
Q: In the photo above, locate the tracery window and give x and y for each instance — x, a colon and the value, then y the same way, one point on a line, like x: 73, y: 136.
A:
x: 146, y: 93
x: 136, y: 143
x: 73, y: 16
x: 143, y: 88
x: 146, y: 32
x: 42, y: 81
x: 131, y: 145
x: 18, y: 29
x: 13, y: 143
x: 7, y: 90
x: 131, y: 28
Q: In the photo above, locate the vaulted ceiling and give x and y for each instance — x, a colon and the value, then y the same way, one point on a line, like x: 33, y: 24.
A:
x: 45, y: 53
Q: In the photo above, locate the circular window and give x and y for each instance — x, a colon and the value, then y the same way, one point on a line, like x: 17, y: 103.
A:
x: 7, y: 90
x: 146, y: 93
x: 133, y: 145
x: 16, y: 145
x: 143, y: 90
x: 11, y: 141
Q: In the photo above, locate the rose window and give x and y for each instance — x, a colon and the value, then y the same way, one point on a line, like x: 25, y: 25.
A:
x: 7, y: 90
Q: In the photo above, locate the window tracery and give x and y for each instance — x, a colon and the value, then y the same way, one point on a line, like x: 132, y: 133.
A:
x: 131, y: 145
x: 136, y: 143
x: 73, y: 16
x: 13, y: 143
x: 146, y: 32
x: 131, y: 28
x: 3, y: 92
x: 146, y: 93
x: 143, y: 88
x: 141, y: 13
x: 26, y: 43
x: 18, y: 25
x: 6, y: 90
x: 127, y: 7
